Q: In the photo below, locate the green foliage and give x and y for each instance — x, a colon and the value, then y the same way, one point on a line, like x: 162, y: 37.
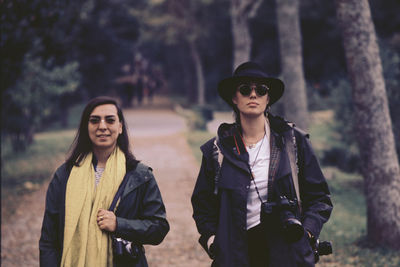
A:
x: 174, y: 21
x: 344, y: 152
x: 52, y: 48
x: 99, y: 35
x: 70, y: 119
x: 196, y: 118
x: 104, y: 35
x: 197, y: 138
x: 33, y: 99
x: 317, y: 98
x: 103, y: 43
x: 28, y: 26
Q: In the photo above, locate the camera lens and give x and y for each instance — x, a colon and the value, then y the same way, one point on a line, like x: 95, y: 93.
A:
x: 293, y: 230
x: 325, y: 248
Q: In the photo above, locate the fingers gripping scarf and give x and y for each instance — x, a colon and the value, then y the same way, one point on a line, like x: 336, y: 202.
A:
x: 85, y: 244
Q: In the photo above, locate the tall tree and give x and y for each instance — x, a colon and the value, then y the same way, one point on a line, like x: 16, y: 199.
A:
x: 295, y: 97
x: 373, y: 125
x: 201, y: 89
x: 241, y: 12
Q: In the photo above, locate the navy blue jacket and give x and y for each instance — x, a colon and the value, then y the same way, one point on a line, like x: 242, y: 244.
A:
x: 141, y: 216
x: 224, y: 214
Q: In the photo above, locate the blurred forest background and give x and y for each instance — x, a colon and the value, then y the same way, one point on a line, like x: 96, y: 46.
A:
x: 55, y: 55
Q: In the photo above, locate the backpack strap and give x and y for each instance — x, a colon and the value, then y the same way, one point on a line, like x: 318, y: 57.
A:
x: 291, y: 148
x: 218, y: 158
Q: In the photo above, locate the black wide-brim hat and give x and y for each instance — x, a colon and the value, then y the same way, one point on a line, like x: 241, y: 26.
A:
x: 250, y: 72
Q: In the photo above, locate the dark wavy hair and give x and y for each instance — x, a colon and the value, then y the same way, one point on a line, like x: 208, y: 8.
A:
x: 82, y: 145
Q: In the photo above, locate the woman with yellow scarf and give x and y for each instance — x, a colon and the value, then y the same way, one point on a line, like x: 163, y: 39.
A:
x: 78, y: 228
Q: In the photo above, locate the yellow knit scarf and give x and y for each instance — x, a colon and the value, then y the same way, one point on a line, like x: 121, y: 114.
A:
x: 85, y: 245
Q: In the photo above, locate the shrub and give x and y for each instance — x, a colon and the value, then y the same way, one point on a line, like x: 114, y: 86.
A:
x: 34, y: 98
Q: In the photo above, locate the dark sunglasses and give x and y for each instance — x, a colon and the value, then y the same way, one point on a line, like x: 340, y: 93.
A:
x: 261, y: 89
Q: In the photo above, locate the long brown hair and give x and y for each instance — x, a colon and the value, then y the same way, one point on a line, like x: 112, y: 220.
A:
x: 82, y: 145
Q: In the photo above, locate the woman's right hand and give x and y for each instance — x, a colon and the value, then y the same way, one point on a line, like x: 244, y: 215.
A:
x: 106, y: 220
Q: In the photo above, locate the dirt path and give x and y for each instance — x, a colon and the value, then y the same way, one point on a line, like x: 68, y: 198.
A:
x: 175, y: 170
x: 158, y: 141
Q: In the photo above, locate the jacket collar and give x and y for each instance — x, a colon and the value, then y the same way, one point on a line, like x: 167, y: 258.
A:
x: 230, y: 135
x: 278, y: 124
x: 232, y: 144
x: 138, y: 176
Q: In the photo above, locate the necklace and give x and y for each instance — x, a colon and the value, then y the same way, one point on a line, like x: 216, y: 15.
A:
x: 252, y: 166
x: 253, y: 145
x: 255, y: 159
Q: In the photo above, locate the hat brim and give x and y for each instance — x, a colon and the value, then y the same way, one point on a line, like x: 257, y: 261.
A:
x: 227, y: 87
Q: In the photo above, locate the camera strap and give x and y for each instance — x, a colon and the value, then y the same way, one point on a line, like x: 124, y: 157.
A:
x: 117, y: 196
x: 251, y: 169
x: 119, y: 193
x: 121, y: 187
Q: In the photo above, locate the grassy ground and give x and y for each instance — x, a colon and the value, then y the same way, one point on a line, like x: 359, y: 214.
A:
x: 346, y: 228
x: 22, y: 173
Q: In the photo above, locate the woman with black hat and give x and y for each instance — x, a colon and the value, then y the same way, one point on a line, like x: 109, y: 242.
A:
x: 246, y: 201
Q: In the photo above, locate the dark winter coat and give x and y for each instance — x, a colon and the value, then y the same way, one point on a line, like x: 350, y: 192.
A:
x: 224, y: 214
x: 141, y: 216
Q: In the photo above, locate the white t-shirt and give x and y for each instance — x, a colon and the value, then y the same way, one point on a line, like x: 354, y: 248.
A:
x: 260, y: 173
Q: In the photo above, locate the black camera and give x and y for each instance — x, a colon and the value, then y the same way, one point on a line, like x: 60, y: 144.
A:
x: 321, y: 248
x: 293, y: 230
x: 124, y: 248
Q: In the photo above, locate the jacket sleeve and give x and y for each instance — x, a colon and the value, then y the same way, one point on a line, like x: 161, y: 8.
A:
x: 314, y: 191
x: 205, y: 203
x: 151, y: 225
x: 49, y: 243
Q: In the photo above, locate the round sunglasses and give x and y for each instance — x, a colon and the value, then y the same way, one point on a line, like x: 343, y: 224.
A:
x: 246, y: 89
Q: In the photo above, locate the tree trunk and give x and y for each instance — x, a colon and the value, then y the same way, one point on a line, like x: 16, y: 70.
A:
x: 201, y: 90
x: 373, y: 125
x: 241, y: 12
x: 295, y: 97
